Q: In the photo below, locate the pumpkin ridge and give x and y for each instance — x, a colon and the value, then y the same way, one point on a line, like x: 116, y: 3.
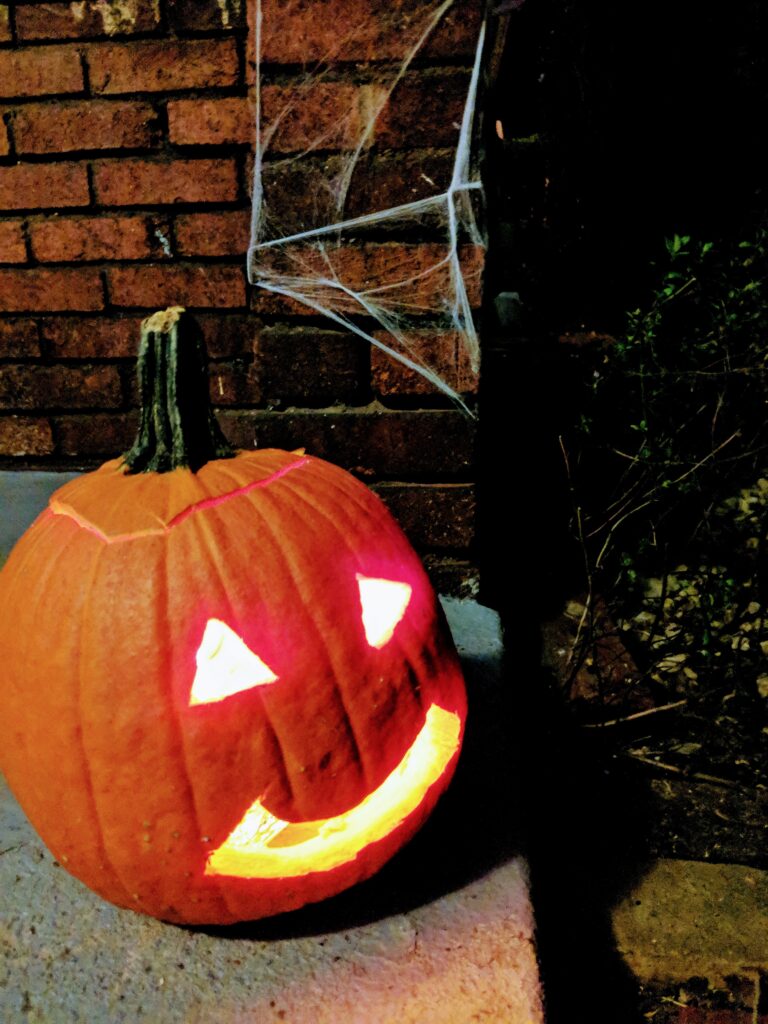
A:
x: 87, y: 773
x: 28, y: 554
x: 405, y: 648
x: 162, y: 620
x: 318, y: 511
x: 41, y: 583
x: 204, y: 536
x: 60, y: 508
x: 357, y: 755
x: 339, y: 485
x: 346, y: 497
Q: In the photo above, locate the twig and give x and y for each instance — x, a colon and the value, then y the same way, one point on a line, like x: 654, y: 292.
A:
x: 637, y: 714
x: 10, y: 849
x: 698, y: 776
x: 588, y: 604
x: 647, y: 499
x: 707, y: 457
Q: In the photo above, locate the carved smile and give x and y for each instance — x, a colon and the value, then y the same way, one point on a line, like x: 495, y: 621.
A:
x: 263, y: 846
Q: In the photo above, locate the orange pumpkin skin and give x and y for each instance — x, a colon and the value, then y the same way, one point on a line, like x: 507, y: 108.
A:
x: 103, y: 604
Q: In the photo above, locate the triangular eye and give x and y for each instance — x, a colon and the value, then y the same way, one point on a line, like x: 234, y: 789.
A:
x: 225, y: 665
x: 383, y: 603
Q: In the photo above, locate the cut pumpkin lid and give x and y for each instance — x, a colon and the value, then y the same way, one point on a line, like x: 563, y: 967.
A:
x: 118, y: 505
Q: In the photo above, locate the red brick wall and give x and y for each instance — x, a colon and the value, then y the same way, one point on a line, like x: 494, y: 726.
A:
x: 125, y: 154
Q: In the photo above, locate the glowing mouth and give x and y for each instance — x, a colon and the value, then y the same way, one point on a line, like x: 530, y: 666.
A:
x: 263, y: 846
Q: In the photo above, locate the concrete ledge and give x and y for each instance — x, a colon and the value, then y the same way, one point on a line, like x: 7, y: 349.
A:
x: 442, y: 935
x: 23, y: 495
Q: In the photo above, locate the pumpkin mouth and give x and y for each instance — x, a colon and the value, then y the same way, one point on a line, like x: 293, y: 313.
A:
x: 264, y: 846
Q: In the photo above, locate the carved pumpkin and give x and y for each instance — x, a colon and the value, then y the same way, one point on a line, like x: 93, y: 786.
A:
x: 227, y: 686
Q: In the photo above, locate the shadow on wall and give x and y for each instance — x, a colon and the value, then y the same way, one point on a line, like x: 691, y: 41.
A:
x: 621, y: 126
x: 608, y: 130
x: 586, y: 825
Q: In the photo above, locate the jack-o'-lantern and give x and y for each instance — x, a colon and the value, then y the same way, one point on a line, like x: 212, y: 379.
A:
x: 228, y: 689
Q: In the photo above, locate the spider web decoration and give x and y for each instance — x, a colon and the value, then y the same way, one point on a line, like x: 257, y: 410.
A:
x: 349, y: 222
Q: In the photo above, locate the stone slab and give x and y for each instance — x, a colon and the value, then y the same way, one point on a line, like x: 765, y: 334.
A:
x: 442, y: 935
x: 687, y: 919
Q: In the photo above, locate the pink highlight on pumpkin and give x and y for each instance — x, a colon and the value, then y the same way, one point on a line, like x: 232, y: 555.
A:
x: 226, y: 665
x: 383, y: 604
x: 57, y: 508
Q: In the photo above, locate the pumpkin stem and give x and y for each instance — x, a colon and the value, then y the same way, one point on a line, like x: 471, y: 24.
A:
x: 178, y: 426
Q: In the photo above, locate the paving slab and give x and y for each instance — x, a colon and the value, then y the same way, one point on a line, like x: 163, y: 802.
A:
x: 686, y: 919
x: 444, y: 934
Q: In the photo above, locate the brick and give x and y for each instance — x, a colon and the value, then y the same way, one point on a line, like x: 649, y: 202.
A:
x: 59, y: 387
x: 152, y: 287
x: 307, y: 366
x: 321, y: 115
x: 211, y: 122
x: 298, y: 197
x: 295, y: 194
x: 457, y: 34
x: 43, y: 186
x: 384, y: 181
x: 91, y: 337
x: 41, y: 290
x: 205, y: 15
x: 213, y: 234
x: 425, y: 109
x: 369, y: 442
x: 12, y: 247
x: 93, y: 238
x: 361, y: 30
x: 163, y: 66
x: 19, y: 339
x: 142, y: 182
x: 101, y: 434
x: 416, y: 274
x: 5, y: 24
x: 25, y: 435
x: 52, y: 71
x: 87, y: 19
x: 5, y: 138
x: 227, y: 336
x: 233, y: 384
x: 84, y: 125
x: 444, y: 352
x: 433, y: 516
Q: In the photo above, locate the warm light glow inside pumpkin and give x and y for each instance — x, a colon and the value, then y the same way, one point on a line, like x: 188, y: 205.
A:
x: 383, y: 603
x: 267, y: 847
x: 225, y: 665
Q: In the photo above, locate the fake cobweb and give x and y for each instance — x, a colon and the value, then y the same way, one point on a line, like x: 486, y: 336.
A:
x: 364, y: 192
